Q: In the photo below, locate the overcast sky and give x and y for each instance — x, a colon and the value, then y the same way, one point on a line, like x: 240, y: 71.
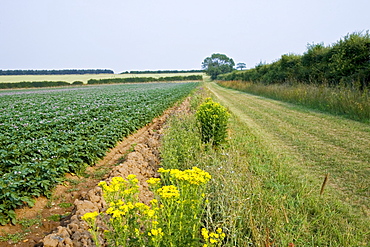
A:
x: 128, y: 35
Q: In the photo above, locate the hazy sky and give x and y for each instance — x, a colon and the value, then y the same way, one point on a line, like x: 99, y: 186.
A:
x: 167, y: 34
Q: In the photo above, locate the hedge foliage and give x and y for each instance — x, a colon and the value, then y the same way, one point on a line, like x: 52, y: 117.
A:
x: 30, y: 84
x: 346, y: 62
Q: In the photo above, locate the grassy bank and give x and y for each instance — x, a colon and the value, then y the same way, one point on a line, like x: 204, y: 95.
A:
x: 354, y: 104
x: 258, y: 196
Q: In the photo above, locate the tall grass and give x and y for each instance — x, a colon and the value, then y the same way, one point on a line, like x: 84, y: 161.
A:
x: 255, y: 196
x: 340, y: 100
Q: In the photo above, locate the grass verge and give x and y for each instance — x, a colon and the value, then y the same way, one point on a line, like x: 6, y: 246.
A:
x: 341, y: 100
x: 256, y: 195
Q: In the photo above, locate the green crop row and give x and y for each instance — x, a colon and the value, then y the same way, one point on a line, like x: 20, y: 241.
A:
x: 46, y: 133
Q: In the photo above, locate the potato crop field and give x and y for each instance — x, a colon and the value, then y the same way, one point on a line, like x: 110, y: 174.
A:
x: 46, y: 133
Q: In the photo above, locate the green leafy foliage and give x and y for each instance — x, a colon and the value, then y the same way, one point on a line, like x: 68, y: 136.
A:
x: 46, y: 133
x: 218, y: 64
x: 346, y: 62
x: 29, y: 84
x: 212, y: 118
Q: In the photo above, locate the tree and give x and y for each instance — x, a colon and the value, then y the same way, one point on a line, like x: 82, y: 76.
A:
x: 217, y: 64
x: 241, y: 66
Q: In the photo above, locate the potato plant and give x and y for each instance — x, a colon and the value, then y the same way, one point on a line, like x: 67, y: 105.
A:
x: 47, y: 133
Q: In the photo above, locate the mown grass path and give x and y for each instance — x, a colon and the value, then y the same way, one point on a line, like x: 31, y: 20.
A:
x: 315, y: 143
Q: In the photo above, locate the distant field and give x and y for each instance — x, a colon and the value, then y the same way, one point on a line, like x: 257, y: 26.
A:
x: 83, y: 78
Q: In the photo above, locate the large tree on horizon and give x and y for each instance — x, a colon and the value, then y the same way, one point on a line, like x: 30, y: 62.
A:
x: 217, y: 64
x: 241, y: 66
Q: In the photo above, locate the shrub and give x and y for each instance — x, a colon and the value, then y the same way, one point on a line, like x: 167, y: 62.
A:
x: 212, y: 119
x: 77, y: 83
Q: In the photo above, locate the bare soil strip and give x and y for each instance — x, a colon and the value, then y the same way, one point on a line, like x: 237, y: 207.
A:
x: 321, y: 143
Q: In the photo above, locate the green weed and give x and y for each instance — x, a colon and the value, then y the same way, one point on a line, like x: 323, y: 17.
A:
x: 27, y: 223
x: 65, y: 205
x: 212, y: 119
x: 12, y: 238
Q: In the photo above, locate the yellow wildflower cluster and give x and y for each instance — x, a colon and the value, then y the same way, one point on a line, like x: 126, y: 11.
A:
x: 213, y: 238
x: 90, y: 216
x: 193, y: 176
x: 116, y: 184
x: 156, y: 232
x: 120, y: 188
x: 153, y: 181
x: 177, y: 207
x: 169, y: 191
x: 120, y: 209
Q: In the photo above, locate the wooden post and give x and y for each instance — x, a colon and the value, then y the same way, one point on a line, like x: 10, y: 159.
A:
x: 324, y: 183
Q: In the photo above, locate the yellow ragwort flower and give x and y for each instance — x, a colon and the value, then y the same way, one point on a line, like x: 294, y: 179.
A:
x: 102, y: 184
x: 169, y: 191
x: 118, y: 180
x: 89, y: 216
x: 193, y: 176
x: 131, y: 177
x: 150, y: 212
x: 162, y: 170
x: 213, y: 241
x: 153, y: 181
x: 205, y: 233
x: 154, y: 202
x: 141, y: 206
x: 156, y: 232
x: 118, y: 213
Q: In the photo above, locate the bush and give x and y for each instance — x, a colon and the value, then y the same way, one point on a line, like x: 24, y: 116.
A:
x: 77, y: 83
x: 31, y: 84
x: 212, y: 118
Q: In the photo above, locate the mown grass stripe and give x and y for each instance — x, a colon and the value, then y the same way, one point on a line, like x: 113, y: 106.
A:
x: 323, y: 142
